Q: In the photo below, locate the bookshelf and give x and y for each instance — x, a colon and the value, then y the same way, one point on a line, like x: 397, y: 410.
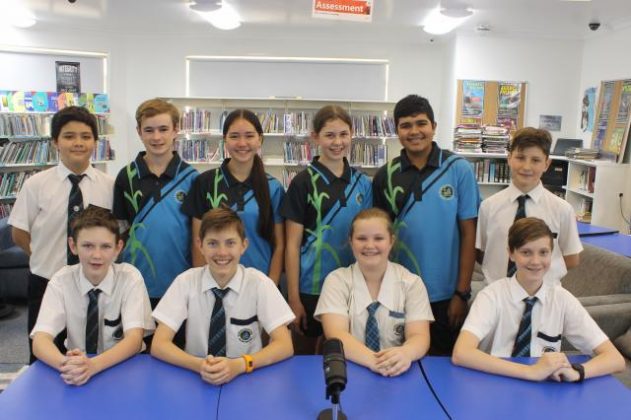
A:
x: 287, y: 147
x: 25, y: 144
x: 592, y: 187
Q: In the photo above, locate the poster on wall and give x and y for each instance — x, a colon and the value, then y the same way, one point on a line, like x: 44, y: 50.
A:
x: 509, y: 98
x: 550, y: 122
x: 68, y: 76
x: 472, y: 98
x: 625, y: 103
x: 355, y: 10
x: 587, y: 109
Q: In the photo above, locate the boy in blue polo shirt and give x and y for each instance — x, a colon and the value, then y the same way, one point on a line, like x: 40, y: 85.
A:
x: 432, y: 196
x: 148, y: 196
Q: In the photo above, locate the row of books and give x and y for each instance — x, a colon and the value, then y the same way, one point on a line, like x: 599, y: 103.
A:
x: 11, y: 182
x: 491, y: 170
x: 5, y: 209
x: 44, y: 152
x: 288, y: 176
x: 199, y: 120
x: 33, y: 101
x: 373, y: 125
x: 199, y: 150
x: 36, y: 125
x: 365, y: 154
x: 299, y: 152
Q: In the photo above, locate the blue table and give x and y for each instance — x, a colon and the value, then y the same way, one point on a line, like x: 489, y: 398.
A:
x: 618, y: 243
x: 587, y: 229
x: 139, y: 388
x: 294, y: 389
x: 470, y: 394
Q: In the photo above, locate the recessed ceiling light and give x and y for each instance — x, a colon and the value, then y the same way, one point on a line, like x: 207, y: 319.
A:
x: 205, y: 5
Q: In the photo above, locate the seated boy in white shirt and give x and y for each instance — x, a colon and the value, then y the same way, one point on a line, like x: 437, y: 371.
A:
x: 225, y: 305
x: 104, y: 306
x: 524, y: 316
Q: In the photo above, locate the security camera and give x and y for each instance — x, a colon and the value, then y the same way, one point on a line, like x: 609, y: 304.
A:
x: 594, y: 25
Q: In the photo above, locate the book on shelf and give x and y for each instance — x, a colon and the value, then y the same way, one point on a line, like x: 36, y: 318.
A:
x: 11, y: 182
x: 491, y: 170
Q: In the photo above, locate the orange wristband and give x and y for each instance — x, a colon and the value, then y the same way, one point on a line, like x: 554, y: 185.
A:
x: 249, y: 363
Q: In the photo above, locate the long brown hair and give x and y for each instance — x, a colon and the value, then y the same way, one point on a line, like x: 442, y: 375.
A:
x: 260, y: 185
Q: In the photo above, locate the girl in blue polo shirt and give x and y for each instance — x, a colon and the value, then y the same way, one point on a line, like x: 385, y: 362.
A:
x: 320, y: 204
x: 242, y: 184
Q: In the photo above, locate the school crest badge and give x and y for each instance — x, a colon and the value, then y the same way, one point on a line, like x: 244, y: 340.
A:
x: 447, y: 192
x: 245, y: 335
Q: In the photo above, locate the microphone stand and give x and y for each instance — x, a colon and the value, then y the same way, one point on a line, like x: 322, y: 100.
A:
x: 335, y: 412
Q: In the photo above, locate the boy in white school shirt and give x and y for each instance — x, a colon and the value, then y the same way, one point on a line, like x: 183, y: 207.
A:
x: 528, y: 159
x: 226, y: 306
x: 104, y: 306
x: 524, y: 316
x: 40, y: 217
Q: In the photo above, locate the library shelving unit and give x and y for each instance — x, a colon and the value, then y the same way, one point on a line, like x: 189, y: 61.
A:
x: 593, y: 188
x: 26, y: 148
x: 287, y: 123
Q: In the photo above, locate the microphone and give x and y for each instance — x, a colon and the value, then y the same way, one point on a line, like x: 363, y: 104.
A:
x: 334, y: 369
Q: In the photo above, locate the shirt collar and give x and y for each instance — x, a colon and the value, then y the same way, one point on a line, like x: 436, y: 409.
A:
x: 535, y: 194
x: 170, y: 171
x: 106, y: 285
x: 362, y: 295
x: 518, y: 293
x: 433, y: 160
x: 234, y: 284
x: 230, y: 179
x: 330, y: 176
x: 63, y: 171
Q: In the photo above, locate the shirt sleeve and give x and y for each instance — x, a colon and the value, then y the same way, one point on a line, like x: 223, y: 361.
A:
x: 136, y: 309
x: 272, y: 309
x: 25, y: 208
x: 468, y: 192
x: 482, y: 318
x: 480, y: 236
x: 52, y: 312
x: 195, y: 203
x: 172, y: 309
x: 335, y: 294
x: 417, y: 306
x: 569, y: 241
x: 118, y: 206
x: 579, y: 327
x: 295, y: 202
x: 277, y: 193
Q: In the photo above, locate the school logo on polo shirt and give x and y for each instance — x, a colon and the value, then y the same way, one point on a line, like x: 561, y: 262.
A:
x: 245, y: 335
x: 180, y: 195
x: 359, y: 198
x: 399, y: 329
x: 447, y: 192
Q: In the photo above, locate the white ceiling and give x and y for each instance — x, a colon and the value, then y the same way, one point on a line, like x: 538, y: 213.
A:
x: 393, y: 20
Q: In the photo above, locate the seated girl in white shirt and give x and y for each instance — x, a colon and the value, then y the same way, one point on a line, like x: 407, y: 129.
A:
x: 397, y: 333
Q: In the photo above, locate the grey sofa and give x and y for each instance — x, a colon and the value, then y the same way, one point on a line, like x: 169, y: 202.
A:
x: 13, y: 266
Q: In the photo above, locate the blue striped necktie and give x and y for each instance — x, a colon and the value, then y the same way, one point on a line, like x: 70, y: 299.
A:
x: 519, y: 214
x: 75, y: 206
x: 217, y: 330
x: 522, y: 340
x: 372, y: 329
x: 92, y: 322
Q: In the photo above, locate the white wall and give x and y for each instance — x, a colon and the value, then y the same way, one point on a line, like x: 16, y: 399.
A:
x: 551, y: 68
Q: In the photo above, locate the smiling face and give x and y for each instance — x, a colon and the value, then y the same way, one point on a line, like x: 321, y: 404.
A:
x: 371, y: 243
x: 527, y: 165
x: 416, y: 134
x: 242, y: 141
x: 158, y: 134
x: 334, y: 140
x: 532, y: 261
x: 222, y: 250
x: 75, y: 144
x: 97, y: 250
